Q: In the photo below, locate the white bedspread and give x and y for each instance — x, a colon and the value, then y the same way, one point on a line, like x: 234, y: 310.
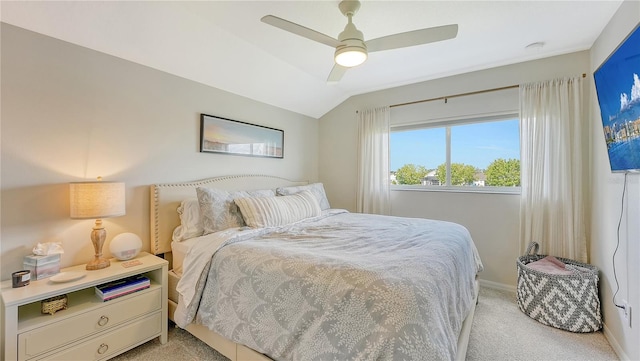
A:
x: 339, y: 286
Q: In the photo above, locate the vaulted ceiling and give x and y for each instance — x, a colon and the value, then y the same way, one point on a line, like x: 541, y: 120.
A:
x: 225, y: 45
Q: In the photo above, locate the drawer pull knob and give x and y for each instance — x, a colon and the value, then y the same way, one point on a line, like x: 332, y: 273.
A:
x: 103, y: 348
x: 103, y: 320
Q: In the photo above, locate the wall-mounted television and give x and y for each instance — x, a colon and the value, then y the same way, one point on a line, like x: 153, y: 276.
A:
x: 618, y: 88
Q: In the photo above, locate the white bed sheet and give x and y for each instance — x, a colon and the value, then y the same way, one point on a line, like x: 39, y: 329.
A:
x: 179, y: 251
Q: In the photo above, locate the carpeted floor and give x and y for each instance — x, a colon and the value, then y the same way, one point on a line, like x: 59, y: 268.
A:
x: 500, y: 332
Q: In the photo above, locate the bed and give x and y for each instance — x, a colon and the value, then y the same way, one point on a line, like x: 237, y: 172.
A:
x: 319, y: 283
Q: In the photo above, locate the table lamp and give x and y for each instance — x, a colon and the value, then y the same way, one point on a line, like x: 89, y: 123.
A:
x: 97, y: 200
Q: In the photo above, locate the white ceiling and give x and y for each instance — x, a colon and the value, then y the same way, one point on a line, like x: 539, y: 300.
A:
x: 224, y: 44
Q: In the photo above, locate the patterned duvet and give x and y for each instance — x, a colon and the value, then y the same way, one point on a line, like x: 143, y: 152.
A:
x: 343, y: 286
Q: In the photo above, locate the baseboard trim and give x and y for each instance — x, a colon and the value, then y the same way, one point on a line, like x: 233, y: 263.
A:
x: 497, y: 286
x: 614, y: 343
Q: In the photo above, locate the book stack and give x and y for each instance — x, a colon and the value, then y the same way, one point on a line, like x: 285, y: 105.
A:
x: 125, y: 286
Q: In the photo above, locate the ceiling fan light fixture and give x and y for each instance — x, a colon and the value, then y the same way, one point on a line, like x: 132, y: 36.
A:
x: 350, y: 56
x: 350, y: 48
x: 352, y: 52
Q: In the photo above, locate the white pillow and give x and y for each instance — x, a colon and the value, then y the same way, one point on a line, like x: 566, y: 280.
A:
x: 278, y: 211
x: 317, y: 189
x: 218, y: 211
x: 190, y: 223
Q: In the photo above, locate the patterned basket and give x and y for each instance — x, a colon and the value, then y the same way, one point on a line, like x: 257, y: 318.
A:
x: 567, y: 302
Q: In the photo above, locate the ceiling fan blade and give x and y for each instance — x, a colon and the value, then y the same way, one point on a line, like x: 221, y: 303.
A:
x: 300, y: 30
x: 336, y: 73
x: 412, y: 38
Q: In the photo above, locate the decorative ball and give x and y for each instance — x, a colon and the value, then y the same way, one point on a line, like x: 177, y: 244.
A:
x: 125, y: 246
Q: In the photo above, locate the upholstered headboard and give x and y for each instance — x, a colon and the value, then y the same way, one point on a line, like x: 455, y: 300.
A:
x: 165, y: 199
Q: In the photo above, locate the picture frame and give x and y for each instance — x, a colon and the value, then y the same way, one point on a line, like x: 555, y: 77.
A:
x: 228, y: 136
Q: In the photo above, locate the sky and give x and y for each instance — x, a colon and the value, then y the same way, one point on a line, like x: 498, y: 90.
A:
x: 618, y: 84
x: 476, y: 144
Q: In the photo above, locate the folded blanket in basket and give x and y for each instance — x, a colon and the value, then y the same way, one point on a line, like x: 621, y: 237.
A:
x: 550, y: 265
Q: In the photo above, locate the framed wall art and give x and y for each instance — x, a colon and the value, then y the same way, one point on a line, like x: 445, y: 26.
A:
x: 227, y: 136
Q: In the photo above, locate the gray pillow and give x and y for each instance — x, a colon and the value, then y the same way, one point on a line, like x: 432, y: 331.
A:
x: 218, y: 211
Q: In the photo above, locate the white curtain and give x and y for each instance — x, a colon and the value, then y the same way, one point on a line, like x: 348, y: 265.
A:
x: 553, y: 160
x: 372, y: 194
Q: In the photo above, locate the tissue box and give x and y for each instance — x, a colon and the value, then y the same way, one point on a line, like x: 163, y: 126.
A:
x: 42, y: 266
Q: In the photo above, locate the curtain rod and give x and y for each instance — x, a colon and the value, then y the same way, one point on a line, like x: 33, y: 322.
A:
x: 460, y: 95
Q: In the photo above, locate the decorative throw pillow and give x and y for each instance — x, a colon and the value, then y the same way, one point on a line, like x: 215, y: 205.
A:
x: 317, y: 189
x: 190, y: 223
x: 218, y: 211
x: 278, y: 211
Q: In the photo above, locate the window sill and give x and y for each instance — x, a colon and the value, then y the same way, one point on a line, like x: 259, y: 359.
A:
x: 485, y: 190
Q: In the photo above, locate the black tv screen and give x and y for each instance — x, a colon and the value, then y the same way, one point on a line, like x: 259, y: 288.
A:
x: 618, y: 87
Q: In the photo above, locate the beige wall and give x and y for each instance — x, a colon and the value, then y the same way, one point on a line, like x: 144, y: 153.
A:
x: 492, y: 219
x: 607, y: 198
x: 71, y: 114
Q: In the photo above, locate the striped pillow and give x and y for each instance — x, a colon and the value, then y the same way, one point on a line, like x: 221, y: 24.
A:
x: 317, y: 189
x: 278, y: 211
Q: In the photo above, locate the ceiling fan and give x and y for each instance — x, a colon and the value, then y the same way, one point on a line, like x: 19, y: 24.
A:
x: 351, y: 49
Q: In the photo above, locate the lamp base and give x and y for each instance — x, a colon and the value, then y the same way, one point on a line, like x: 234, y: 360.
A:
x: 98, y: 263
x: 98, y: 236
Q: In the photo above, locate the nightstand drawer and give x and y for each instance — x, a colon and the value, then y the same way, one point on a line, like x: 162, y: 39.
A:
x: 112, y: 313
x: 112, y: 342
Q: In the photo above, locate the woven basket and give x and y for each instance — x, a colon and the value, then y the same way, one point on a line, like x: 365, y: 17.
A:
x: 567, y: 302
x: 54, y: 304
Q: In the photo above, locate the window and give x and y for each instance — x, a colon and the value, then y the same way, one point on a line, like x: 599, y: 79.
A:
x: 466, y: 153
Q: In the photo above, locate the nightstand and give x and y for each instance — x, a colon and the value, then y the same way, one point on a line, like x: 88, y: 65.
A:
x: 89, y: 329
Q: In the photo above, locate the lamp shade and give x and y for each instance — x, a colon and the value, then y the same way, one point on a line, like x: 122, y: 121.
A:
x: 96, y: 200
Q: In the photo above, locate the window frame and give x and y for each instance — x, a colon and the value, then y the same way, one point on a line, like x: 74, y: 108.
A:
x: 447, y: 124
